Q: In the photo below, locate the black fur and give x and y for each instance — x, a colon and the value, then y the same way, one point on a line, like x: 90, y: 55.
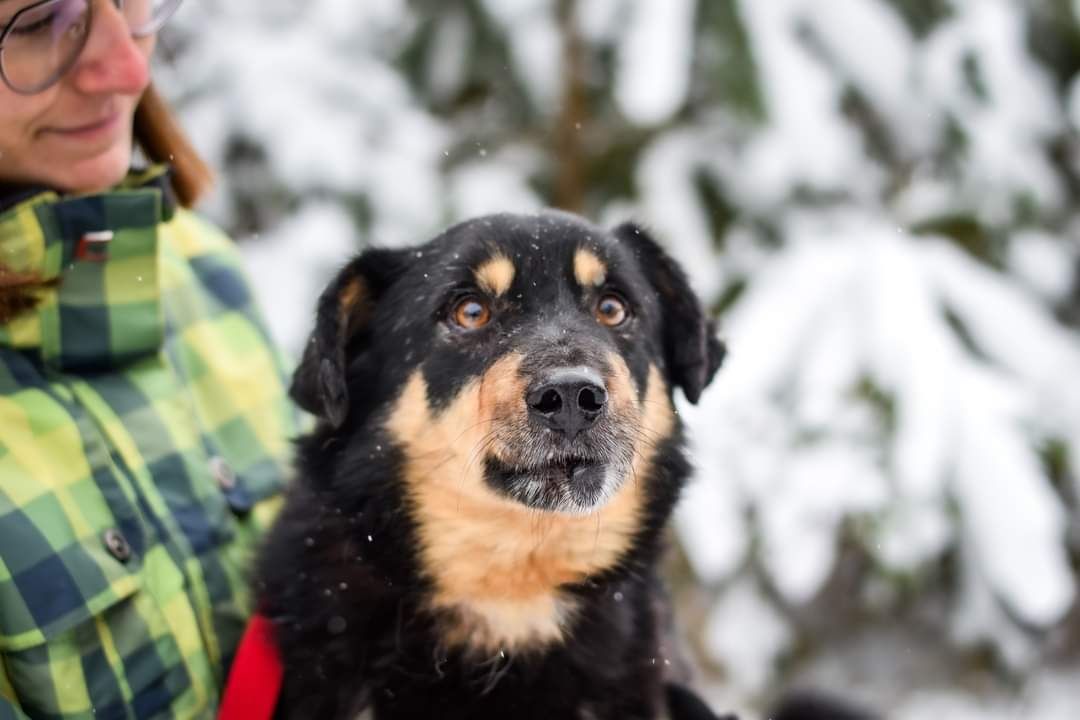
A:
x: 816, y: 705
x: 340, y: 577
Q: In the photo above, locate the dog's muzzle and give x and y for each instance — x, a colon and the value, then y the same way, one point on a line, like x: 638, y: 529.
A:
x: 571, y: 454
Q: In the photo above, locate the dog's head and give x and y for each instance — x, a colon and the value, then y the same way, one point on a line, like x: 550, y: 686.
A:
x: 535, y: 354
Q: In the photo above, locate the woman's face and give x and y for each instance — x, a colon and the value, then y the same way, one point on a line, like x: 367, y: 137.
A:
x: 76, y: 136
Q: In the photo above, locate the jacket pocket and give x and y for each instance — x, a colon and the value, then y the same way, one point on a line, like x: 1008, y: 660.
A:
x: 80, y: 635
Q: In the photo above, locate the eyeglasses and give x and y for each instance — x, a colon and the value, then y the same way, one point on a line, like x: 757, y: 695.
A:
x: 41, y: 42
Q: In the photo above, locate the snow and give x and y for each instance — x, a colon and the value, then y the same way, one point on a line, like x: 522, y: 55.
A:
x: 1011, y: 517
x: 535, y: 44
x: 1003, y: 129
x: 851, y: 31
x: 925, y: 197
x: 911, y: 531
x: 710, y: 522
x: 1007, y: 324
x: 600, y: 20
x: 912, y: 354
x: 449, y: 54
x: 665, y: 175
x: 1074, y: 103
x: 499, y: 184
x: 371, y: 137
x: 851, y: 299
x: 1043, y: 262
x: 654, y: 57
x: 799, y: 520
x: 1052, y: 696
x: 746, y: 635
x: 320, y: 237
x: 806, y: 142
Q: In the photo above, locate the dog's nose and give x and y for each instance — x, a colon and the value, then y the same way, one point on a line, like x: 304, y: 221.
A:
x: 568, y: 400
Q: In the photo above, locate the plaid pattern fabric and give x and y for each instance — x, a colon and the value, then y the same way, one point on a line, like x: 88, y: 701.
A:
x: 143, y: 441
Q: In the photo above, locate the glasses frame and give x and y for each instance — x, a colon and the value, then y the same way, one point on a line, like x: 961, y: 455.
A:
x: 170, y: 6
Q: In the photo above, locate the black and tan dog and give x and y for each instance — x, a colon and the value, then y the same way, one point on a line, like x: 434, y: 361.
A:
x: 477, y: 520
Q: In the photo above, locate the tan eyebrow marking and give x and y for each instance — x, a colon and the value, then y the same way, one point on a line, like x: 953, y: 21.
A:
x: 589, y: 270
x: 495, y: 275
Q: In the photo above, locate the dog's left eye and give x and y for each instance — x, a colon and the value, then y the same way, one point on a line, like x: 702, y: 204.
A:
x: 471, y: 313
x: 611, y: 311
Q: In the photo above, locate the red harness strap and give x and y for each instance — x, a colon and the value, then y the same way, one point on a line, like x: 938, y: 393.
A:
x: 254, y: 684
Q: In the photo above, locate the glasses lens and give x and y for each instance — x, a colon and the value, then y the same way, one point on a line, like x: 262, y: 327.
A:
x: 41, y: 43
x: 145, y: 17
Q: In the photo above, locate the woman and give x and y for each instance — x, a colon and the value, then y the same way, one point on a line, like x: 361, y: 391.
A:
x: 143, y: 415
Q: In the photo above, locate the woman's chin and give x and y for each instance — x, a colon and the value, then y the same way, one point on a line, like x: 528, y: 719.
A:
x: 97, y: 173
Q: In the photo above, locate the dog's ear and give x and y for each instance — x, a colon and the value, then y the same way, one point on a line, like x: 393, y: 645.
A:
x: 692, y: 351
x: 342, y: 329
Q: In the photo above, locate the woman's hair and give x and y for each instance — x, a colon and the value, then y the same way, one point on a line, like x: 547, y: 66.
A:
x: 162, y: 140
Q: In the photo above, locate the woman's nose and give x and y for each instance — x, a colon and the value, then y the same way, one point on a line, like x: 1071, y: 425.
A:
x: 112, y: 61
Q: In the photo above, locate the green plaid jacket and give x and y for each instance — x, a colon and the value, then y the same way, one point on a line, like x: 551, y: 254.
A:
x: 144, y: 436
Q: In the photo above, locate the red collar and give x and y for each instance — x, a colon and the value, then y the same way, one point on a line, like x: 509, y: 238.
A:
x: 254, y: 684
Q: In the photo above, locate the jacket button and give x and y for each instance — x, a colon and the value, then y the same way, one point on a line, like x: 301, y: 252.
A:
x: 117, y: 544
x: 223, y: 474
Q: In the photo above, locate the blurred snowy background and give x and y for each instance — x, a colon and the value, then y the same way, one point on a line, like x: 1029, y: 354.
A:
x: 878, y: 197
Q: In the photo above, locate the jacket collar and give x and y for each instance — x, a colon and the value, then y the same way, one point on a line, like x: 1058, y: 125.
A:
x: 94, y: 266
x: 11, y: 194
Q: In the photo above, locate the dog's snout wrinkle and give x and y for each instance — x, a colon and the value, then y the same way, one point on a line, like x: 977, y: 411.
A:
x: 568, y: 400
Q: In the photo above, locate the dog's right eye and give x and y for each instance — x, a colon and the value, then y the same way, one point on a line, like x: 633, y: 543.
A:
x: 471, y: 313
x: 611, y: 311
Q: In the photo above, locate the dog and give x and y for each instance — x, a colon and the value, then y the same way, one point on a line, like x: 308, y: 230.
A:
x: 477, y: 519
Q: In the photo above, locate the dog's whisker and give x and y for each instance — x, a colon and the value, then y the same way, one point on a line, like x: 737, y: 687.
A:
x: 481, y: 449
x: 473, y: 426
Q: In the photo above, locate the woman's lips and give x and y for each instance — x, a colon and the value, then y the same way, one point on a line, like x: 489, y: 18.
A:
x: 89, y: 131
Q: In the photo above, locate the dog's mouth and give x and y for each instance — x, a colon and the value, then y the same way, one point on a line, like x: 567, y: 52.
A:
x: 573, y: 469
x: 574, y: 484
